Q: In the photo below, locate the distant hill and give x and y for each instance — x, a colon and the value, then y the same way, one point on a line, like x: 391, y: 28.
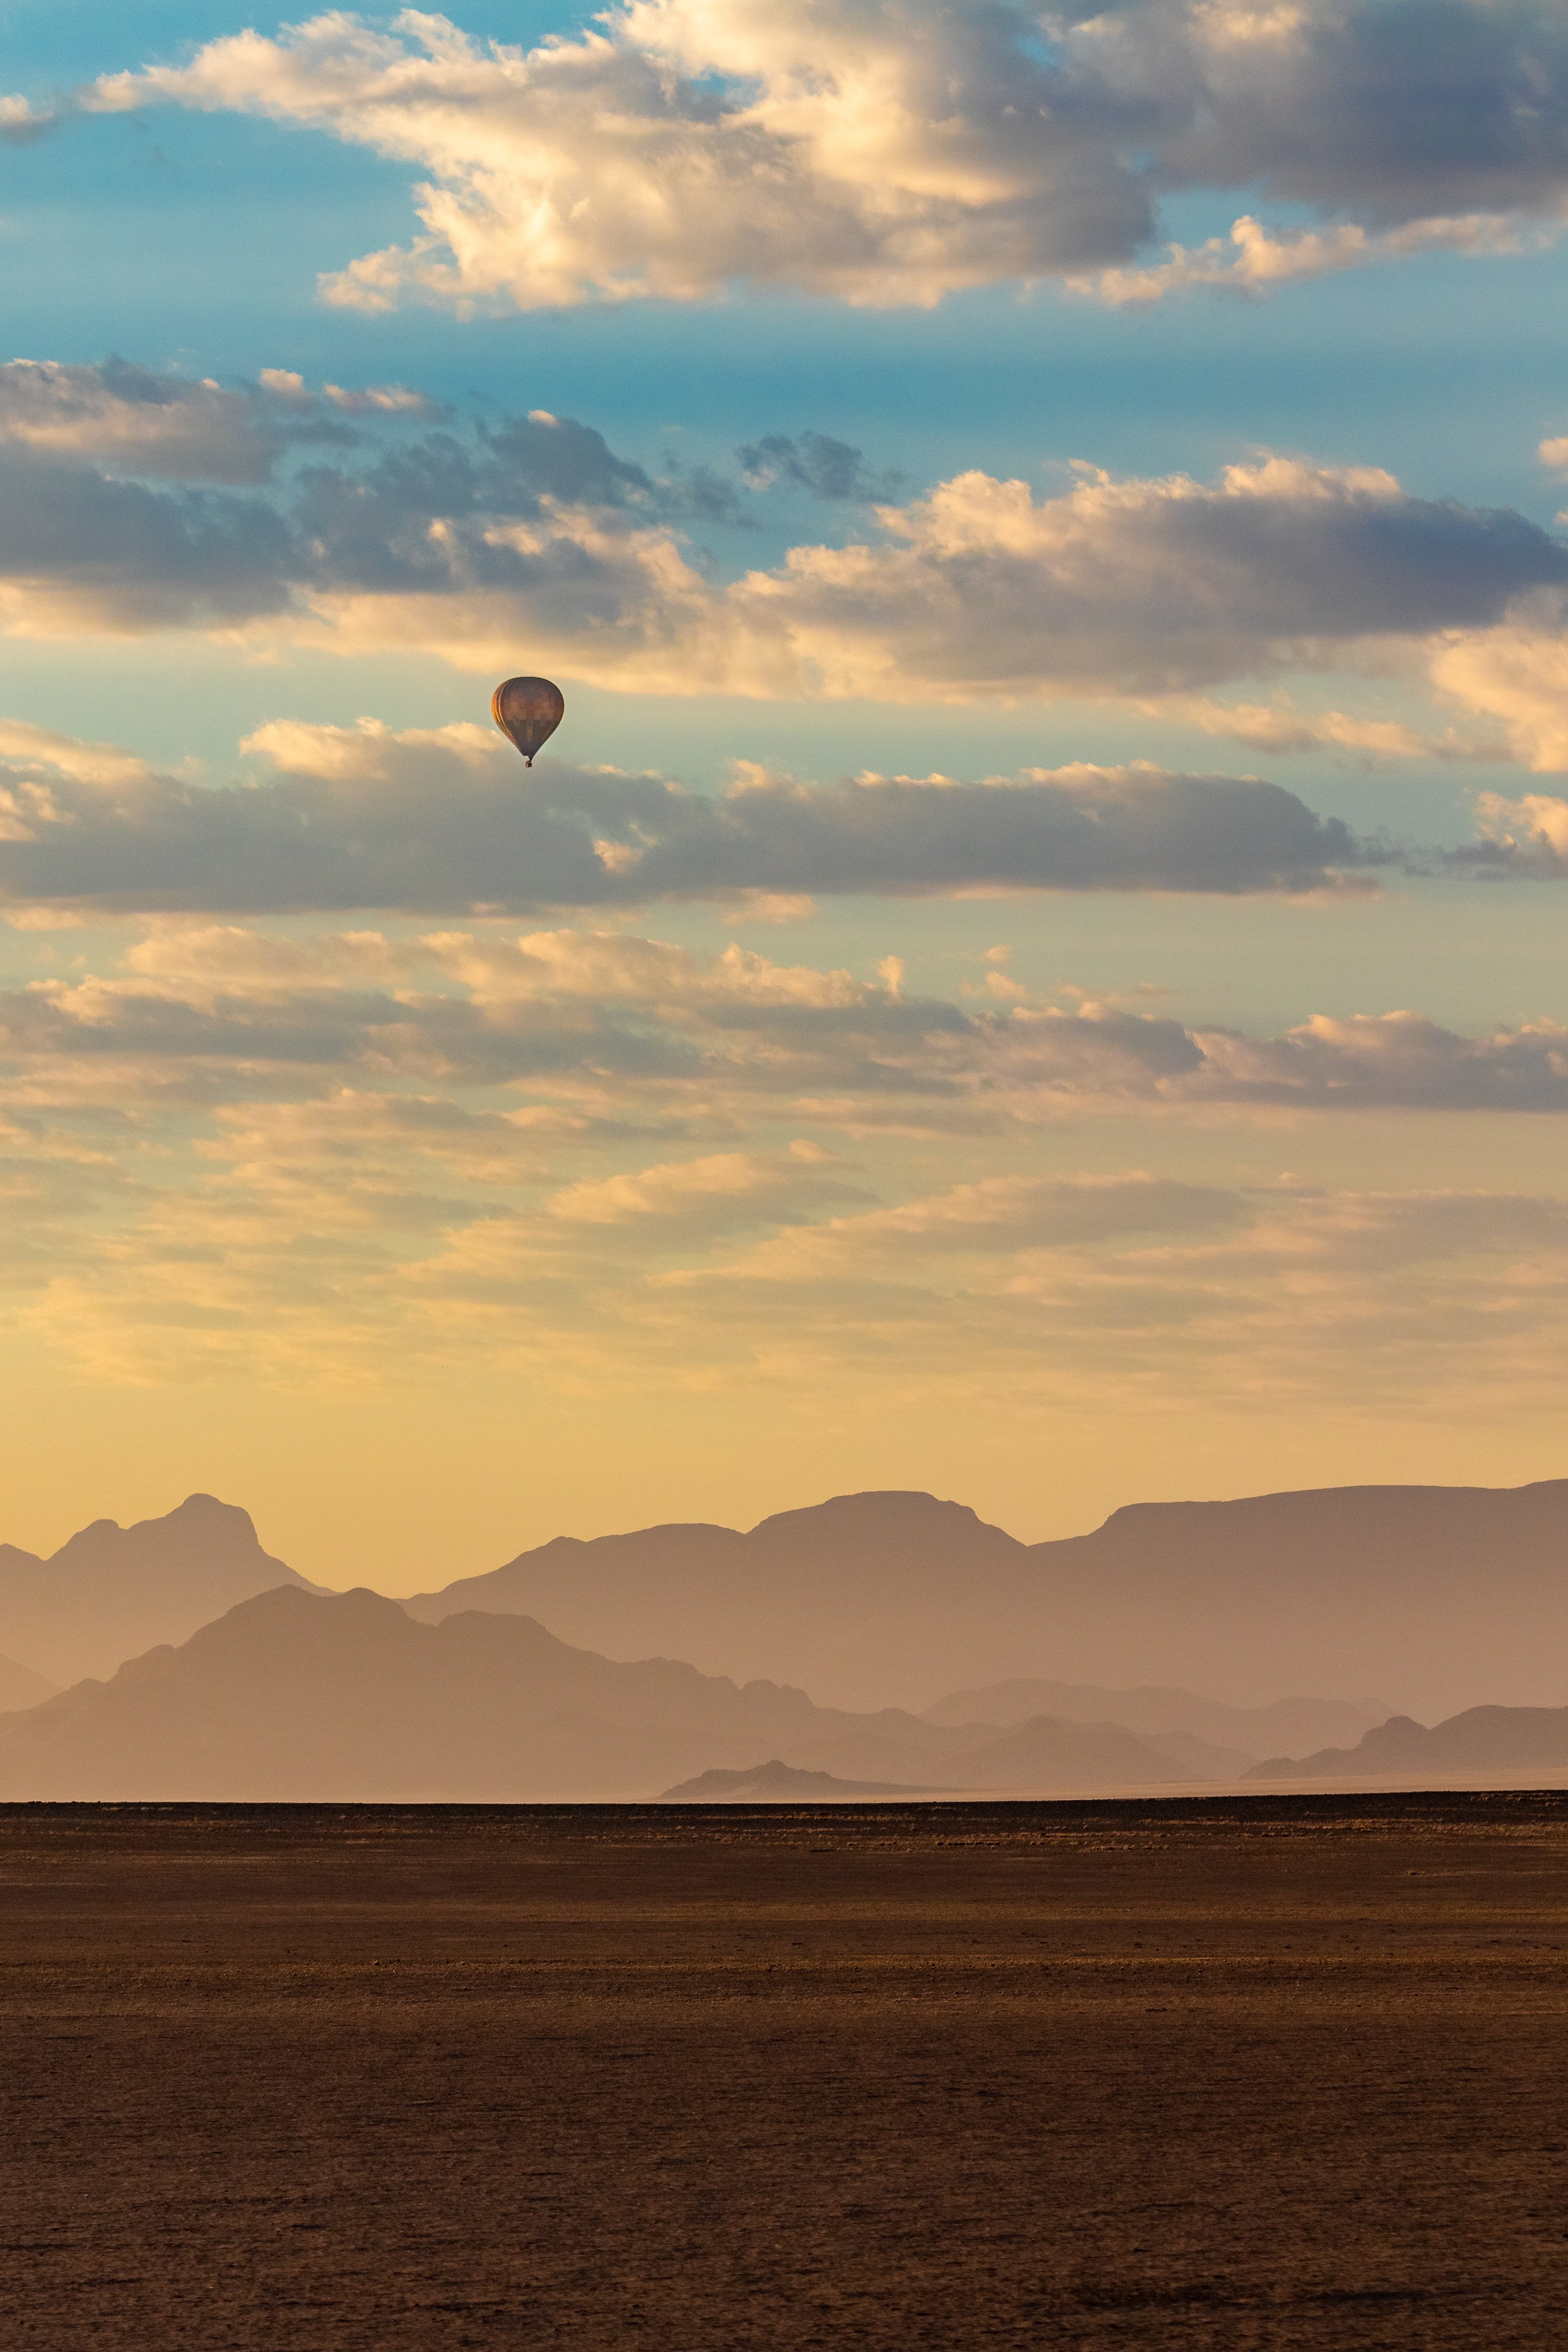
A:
x: 20, y: 1687
x: 845, y: 1596
x: 110, y: 1591
x: 295, y: 1696
x: 776, y: 1783
x: 1046, y: 1753
x: 1435, y: 1594
x: 1485, y: 1742
x: 1043, y: 1754
x: 1255, y: 1730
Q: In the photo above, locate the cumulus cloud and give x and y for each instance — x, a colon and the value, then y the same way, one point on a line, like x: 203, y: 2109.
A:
x: 813, y: 462
x: 123, y: 420
x: 628, y: 1034
x: 284, y: 391
x: 1516, y: 673
x: 81, y: 552
x: 131, y: 503
x: 1528, y: 835
x: 890, y: 154
x: 535, y: 529
x: 1013, y: 1064
x: 89, y: 543
x: 1390, y: 1060
x: 447, y: 819
x: 135, y: 422
x: 678, y: 147
x: 1251, y: 261
x: 29, y: 750
x: 1123, y: 586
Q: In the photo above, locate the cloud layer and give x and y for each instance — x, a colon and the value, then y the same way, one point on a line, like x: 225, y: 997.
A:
x: 893, y: 154
x: 133, y: 421
x: 310, y: 1158
x: 682, y: 1040
x: 445, y: 820
x: 346, y: 521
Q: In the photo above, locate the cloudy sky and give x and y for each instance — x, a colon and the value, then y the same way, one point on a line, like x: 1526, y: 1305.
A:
x: 1032, y: 966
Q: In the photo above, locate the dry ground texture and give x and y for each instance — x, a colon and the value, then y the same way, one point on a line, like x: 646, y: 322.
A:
x: 1264, y: 2072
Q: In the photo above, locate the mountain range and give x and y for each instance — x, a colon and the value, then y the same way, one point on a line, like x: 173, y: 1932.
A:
x: 1170, y: 1714
x: 20, y: 1687
x: 1481, y: 1742
x: 112, y: 1592
x: 1437, y: 1596
x: 298, y: 1695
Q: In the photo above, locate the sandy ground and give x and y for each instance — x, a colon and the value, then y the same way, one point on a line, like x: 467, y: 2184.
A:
x: 1266, y: 2071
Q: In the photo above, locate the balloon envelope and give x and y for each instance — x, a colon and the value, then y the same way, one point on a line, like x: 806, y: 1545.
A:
x: 528, y: 711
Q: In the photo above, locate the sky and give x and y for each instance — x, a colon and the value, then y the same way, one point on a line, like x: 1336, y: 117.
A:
x: 1032, y: 967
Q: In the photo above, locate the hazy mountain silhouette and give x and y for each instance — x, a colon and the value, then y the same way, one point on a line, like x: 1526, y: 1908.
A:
x: 1432, y: 1594
x: 20, y: 1687
x: 1043, y: 1754
x: 1438, y: 1595
x: 1483, y: 1741
x: 1255, y: 1731
x: 110, y: 1591
x: 1199, y: 1760
x: 292, y: 1694
x: 776, y: 1783
x: 1047, y: 1753
x: 849, y: 1590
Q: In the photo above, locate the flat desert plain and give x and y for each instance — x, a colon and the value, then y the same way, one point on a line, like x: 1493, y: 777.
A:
x: 1272, y: 2071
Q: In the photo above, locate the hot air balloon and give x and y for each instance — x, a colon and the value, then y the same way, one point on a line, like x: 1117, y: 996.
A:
x: 528, y: 711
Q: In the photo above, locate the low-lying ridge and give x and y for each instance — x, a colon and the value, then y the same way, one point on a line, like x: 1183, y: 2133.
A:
x: 1481, y: 1742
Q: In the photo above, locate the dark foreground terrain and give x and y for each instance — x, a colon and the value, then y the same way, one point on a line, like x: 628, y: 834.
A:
x: 1257, y: 2072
